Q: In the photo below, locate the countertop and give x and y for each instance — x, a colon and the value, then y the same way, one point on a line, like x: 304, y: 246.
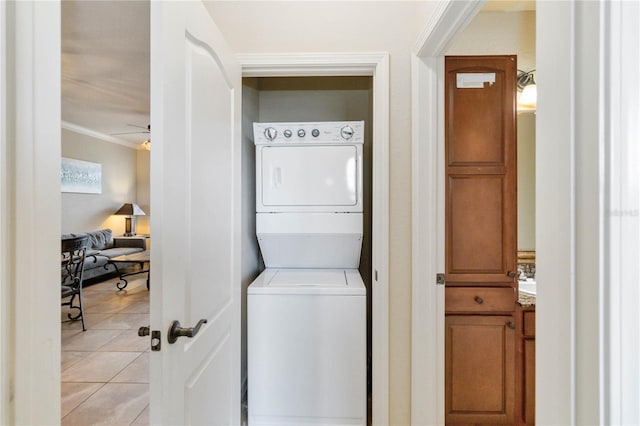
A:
x: 526, y: 299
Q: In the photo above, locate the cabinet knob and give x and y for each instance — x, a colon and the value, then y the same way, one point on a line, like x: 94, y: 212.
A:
x: 478, y: 300
x: 511, y: 274
x: 511, y: 325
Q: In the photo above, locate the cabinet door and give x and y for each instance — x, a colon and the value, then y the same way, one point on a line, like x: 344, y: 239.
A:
x: 529, y: 368
x: 480, y: 149
x: 480, y: 369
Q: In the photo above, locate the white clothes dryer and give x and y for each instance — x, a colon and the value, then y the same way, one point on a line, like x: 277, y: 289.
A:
x: 309, y: 195
x: 309, y: 167
x: 307, y: 348
x: 306, y: 313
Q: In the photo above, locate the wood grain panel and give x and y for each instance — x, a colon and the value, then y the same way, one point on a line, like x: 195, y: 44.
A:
x: 476, y: 122
x: 530, y: 381
x: 529, y: 323
x: 480, y: 369
x: 479, y: 300
x: 476, y: 224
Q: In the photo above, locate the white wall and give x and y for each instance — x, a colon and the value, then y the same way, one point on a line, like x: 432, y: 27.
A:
x: 320, y: 26
x: 88, y: 212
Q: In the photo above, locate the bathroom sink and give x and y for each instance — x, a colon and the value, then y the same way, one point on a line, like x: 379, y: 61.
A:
x: 528, y: 286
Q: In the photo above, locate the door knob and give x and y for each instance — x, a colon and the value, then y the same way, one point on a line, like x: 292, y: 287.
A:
x: 176, y: 331
x: 143, y: 331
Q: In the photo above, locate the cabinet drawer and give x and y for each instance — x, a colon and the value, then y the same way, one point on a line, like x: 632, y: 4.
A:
x: 479, y: 299
x: 529, y: 324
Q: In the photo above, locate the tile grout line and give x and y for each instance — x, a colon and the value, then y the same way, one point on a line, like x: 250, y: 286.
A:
x: 102, y: 299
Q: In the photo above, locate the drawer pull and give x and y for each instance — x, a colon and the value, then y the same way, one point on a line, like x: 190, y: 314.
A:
x: 478, y: 300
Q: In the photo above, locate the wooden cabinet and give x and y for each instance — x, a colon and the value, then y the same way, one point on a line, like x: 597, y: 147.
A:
x: 480, y: 186
x: 480, y: 369
x: 480, y: 240
x: 526, y: 366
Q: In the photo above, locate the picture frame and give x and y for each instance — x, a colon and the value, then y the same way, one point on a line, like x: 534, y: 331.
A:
x: 80, y: 176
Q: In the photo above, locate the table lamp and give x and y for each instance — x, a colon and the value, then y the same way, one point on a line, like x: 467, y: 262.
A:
x: 131, y: 210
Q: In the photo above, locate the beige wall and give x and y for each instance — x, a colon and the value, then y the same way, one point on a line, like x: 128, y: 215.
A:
x: 87, y: 212
x: 499, y: 33
x: 527, y: 181
x: 321, y: 26
x: 143, y: 189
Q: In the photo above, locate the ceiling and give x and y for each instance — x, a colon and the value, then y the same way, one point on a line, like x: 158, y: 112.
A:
x: 105, y: 68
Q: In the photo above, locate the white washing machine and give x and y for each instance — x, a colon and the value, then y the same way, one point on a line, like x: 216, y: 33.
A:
x: 306, y: 313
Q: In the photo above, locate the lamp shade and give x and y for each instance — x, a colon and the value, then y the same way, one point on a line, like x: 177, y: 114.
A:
x: 528, y: 98
x: 130, y: 209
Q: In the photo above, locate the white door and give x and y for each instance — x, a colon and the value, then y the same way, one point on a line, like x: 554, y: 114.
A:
x: 195, y: 198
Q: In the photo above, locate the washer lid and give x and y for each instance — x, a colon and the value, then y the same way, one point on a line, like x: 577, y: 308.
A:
x: 308, y: 281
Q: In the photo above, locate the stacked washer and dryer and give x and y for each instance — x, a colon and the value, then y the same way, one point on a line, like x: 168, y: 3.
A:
x: 306, y: 312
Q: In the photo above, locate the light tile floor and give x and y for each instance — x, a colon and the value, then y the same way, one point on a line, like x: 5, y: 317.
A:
x: 105, y: 370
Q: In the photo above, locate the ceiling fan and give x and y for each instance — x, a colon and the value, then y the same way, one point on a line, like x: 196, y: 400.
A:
x: 147, y: 130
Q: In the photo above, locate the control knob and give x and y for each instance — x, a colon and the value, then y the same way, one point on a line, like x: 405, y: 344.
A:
x: 315, y: 133
x: 346, y: 132
x: 287, y: 133
x: 270, y: 133
x: 301, y: 133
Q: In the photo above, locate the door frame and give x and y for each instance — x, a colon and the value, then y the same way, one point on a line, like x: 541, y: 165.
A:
x: 428, y: 220
x: 376, y: 65
x: 30, y: 149
x: 570, y: 316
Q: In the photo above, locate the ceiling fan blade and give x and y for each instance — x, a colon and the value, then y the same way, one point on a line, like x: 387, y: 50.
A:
x: 147, y: 127
x: 127, y: 133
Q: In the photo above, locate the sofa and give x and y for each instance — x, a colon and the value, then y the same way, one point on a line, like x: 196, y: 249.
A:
x: 104, y: 246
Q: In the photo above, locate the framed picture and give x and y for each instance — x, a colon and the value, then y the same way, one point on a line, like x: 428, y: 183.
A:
x: 80, y: 176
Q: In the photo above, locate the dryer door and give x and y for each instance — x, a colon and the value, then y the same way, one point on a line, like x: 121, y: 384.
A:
x: 309, y: 178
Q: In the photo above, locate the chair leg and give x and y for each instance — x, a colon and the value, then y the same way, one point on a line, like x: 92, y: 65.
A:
x: 80, y: 308
x: 84, y: 327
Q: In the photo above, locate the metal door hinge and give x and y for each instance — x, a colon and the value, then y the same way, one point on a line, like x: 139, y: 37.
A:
x: 440, y: 279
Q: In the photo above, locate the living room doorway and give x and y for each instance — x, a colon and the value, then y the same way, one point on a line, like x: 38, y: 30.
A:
x: 105, y: 123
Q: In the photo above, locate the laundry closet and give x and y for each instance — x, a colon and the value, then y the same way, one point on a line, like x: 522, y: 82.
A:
x: 309, y: 100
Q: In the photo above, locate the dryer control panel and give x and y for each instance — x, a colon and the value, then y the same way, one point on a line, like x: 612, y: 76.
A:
x: 324, y: 132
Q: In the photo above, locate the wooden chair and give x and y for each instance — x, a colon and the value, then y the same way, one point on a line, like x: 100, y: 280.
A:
x: 73, y: 252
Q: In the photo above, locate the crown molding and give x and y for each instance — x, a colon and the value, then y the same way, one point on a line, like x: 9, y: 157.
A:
x: 98, y: 135
x: 310, y: 64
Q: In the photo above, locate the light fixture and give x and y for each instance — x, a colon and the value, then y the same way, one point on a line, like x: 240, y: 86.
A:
x: 131, y: 210
x: 527, y: 99
x: 147, y: 144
